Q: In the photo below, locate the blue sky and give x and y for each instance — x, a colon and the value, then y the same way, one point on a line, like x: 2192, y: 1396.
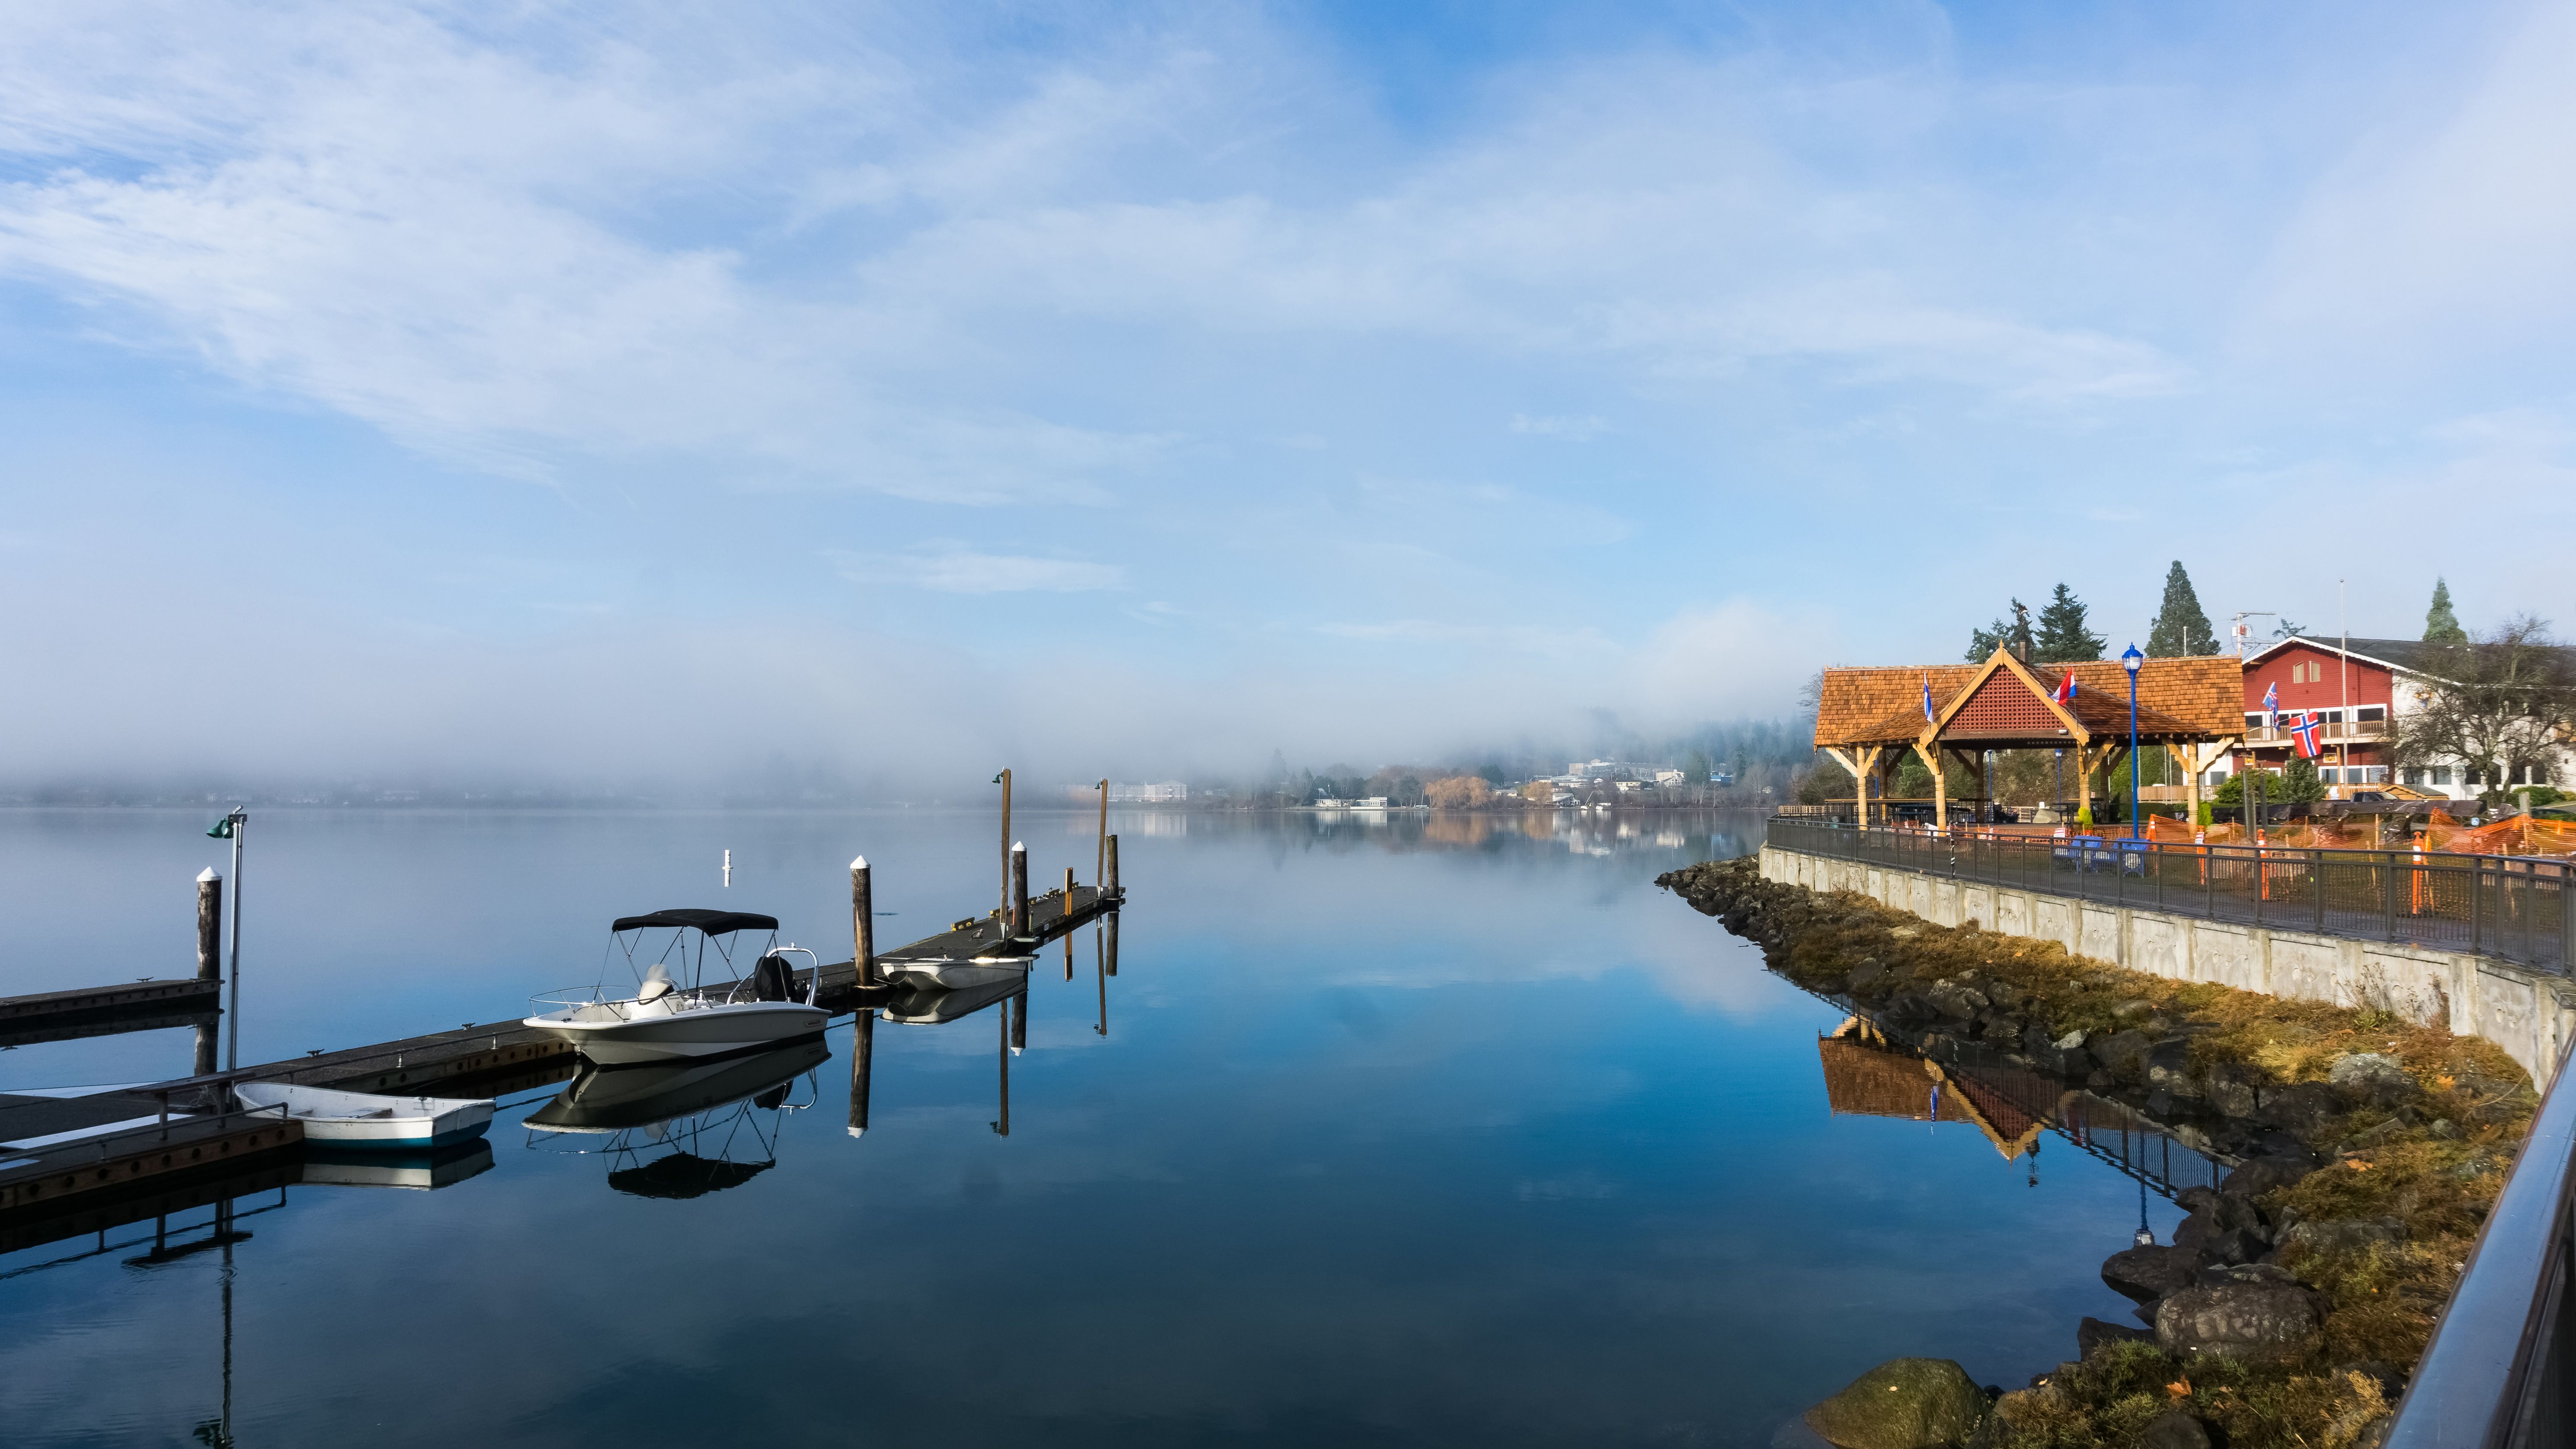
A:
x: 568, y: 389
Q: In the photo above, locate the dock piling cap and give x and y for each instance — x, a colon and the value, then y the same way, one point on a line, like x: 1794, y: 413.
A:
x: 209, y: 873
x: 859, y: 862
x: 1018, y: 849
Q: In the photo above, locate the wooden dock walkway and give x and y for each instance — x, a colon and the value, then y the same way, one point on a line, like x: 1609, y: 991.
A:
x: 491, y: 1059
x: 103, y: 1010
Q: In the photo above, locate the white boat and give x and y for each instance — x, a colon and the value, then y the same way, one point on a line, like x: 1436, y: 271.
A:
x: 365, y: 1120
x: 664, y: 1019
x: 952, y: 973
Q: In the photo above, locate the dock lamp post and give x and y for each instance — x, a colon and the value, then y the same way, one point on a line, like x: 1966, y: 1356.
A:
x: 2130, y: 662
x: 231, y: 828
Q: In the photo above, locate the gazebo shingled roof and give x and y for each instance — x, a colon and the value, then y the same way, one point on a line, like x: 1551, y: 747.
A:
x: 1867, y: 717
x: 2200, y: 696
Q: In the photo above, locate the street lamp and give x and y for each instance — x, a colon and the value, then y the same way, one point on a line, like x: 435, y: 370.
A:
x: 2130, y: 662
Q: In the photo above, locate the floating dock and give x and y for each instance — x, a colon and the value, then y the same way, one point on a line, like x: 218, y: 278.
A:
x: 141, y: 1141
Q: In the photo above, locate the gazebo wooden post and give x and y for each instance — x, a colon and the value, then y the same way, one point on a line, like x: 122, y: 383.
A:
x: 2084, y: 758
x: 1931, y: 754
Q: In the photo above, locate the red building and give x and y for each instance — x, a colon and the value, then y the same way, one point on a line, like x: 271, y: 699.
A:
x: 2352, y: 689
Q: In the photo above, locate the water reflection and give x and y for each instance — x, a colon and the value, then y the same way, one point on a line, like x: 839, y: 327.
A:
x: 1867, y: 1073
x: 682, y: 1129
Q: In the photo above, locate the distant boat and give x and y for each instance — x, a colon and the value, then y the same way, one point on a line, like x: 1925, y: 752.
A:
x: 365, y: 1120
x: 664, y: 1019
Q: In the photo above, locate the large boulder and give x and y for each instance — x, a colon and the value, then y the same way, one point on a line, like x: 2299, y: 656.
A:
x: 2150, y: 1273
x: 2373, y: 1077
x: 1956, y: 1001
x: 2255, y: 1323
x: 2123, y: 1054
x: 2224, y: 1225
x: 2260, y: 1175
x: 2301, y: 1108
x: 1904, y: 1403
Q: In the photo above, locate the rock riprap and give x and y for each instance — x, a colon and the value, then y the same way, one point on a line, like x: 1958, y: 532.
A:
x: 1904, y: 1403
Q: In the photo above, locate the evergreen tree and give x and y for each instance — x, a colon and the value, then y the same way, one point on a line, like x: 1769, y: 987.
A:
x: 2180, y: 627
x: 2062, y: 637
x: 2012, y: 631
x: 2441, y: 626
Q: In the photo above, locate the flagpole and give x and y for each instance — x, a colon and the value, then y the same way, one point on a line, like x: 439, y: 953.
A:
x: 232, y: 1029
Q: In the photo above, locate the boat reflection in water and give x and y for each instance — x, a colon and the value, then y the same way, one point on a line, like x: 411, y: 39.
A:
x: 680, y: 1129
x: 425, y: 1169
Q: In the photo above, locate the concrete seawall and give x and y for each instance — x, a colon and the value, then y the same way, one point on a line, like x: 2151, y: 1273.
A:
x: 2530, y: 1014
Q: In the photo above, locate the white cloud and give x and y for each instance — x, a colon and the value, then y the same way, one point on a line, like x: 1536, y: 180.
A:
x: 954, y: 569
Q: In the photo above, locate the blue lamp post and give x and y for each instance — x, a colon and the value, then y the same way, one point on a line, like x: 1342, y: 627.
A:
x: 2130, y: 662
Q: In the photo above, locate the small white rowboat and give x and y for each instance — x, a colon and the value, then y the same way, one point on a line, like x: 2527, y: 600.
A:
x: 362, y: 1119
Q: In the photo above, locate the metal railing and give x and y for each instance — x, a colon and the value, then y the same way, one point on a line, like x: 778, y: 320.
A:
x: 2510, y: 907
x: 2502, y: 1364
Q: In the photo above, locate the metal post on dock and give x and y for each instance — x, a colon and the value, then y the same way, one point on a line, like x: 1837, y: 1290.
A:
x: 1004, y: 780
x: 1102, y: 864
x: 1100, y: 973
x: 863, y: 1041
x: 210, y: 955
x: 1018, y: 882
x: 863, y: 928
x: 231, y: 828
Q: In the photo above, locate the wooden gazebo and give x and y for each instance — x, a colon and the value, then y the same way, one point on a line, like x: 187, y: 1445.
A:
x: 2193, y: 708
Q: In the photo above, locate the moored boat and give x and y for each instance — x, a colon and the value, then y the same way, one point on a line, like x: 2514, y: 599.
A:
x: 665, y: 1020
x: 364, y: 1120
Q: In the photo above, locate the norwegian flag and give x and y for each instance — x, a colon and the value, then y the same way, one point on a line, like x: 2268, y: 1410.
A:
x: 2272, y: 706
x: 2066, y: 688
x: 2306, y: 729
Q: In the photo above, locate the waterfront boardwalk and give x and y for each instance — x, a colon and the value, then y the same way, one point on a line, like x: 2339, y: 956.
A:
x: 158, y: 1140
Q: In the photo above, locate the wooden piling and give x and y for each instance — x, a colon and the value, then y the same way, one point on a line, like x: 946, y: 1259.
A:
x: 1019, y: 889
x: 863, y: 923
x: 1002, y: 1124
x: 1109, y: 925
x: 863, y: 1041
x: 1102, y: 863
x: 1018, y: 1006
x: 210, y: 955
x: 1068, y: 916
x: 1100, y: 973
x: 1109, y: 865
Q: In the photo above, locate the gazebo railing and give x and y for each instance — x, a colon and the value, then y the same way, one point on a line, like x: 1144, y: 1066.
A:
x: 2514, y: 908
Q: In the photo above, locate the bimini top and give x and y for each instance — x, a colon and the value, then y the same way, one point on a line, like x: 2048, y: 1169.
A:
x: 714, y: 923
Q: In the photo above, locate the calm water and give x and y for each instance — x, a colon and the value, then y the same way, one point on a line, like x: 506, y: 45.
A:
x: 1401, y: 1134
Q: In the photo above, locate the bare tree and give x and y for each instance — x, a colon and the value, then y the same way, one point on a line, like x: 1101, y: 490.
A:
x: 2496, y: 704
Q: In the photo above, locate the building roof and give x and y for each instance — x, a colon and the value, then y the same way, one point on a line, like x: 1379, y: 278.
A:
x: 2413, y: 656
x: 2407, y: 656
x: 2195, y: 697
